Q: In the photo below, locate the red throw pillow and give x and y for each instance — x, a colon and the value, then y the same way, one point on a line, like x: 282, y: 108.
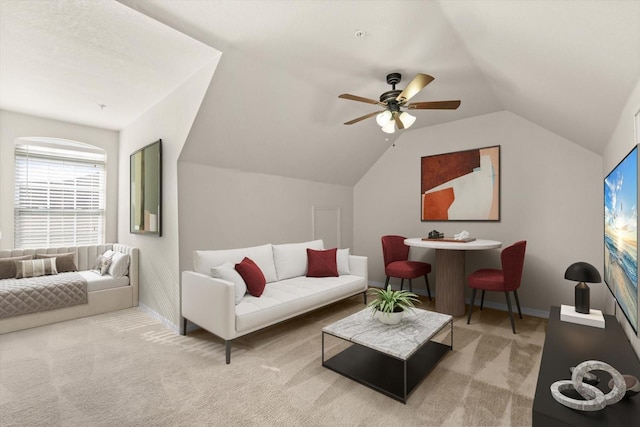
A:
x: 322, y: 263
x: 252, y: 276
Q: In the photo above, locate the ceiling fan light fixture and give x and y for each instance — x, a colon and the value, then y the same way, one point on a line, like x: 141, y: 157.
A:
x: 407, y: 119
x: 383, y: 118
x: 390, y: 127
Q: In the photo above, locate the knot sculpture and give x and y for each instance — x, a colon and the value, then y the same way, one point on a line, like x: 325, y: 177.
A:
x: 595, y: 398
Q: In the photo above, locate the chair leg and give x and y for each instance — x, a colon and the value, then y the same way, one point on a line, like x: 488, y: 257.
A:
x: 401, y: 283
x: 386, y: 282
x: 410, y: 286
x: 426, y: 279
x: 515, y: 294
x: 473, y: 298
x: 184, y: 326
x: 513, y: 326
x: 482, y: 300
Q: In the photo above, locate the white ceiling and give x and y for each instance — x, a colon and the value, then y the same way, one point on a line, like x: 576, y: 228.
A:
x: 566, y: 65
x: 62, y: 59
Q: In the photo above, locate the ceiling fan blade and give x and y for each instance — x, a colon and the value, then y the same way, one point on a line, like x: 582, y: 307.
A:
x: 350, y: 122
x: 434, y: 105
x: 361, y: 99
x: 396, y: 117
x: 416, y: 85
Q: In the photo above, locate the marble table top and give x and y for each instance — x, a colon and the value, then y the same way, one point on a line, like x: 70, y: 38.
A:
x: 474, y: 245
x: 401, y: 340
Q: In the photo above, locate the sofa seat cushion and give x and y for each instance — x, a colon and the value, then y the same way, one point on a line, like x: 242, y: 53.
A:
x: 291, y: 297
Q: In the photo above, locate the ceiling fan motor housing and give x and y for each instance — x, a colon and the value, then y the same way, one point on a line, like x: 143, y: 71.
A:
x: 390, y: 96
x: 393, y: 79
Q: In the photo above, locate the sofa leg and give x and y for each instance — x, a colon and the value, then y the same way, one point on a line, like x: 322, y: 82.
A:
x: 227, y: 350
x: 184, y: 326
x: 364, y: 294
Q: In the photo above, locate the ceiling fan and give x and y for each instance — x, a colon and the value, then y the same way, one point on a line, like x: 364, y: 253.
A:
x: 395, y: 100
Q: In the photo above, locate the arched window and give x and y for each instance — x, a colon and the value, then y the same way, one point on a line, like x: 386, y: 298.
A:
x: 60, y: 191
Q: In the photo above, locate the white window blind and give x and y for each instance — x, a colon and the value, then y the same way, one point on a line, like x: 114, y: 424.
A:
x: 59, y: 196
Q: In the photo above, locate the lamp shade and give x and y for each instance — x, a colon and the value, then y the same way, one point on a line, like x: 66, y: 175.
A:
x: 407, y: 119
x: 390, y: 127
x: 383, y: 118
x: 582, y: 272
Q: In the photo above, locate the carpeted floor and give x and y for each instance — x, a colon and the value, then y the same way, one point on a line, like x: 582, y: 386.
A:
x: 125, y: 368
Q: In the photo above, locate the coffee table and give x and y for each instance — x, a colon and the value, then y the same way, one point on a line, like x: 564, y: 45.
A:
x: 391, y: 359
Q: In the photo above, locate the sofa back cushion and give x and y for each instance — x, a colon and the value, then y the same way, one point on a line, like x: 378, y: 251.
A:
x: 291, y: 258
x: 204, y: 261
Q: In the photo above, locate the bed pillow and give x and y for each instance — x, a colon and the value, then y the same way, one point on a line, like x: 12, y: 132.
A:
x: 35, y: 268
x: 102, y: 265
x: 8, y: 266
x: 322, y: 263
x: 252, y: 276
x: 64, y: 262
x: 342, y: 259
x: 119, y: 266
x: 227, y: 272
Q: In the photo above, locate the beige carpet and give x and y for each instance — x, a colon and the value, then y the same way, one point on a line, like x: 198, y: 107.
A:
x: 125, y: 368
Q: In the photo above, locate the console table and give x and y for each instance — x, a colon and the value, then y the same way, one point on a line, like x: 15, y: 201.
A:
x: 568, y: 344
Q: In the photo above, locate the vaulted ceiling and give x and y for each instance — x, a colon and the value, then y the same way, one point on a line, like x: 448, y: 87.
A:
x: 272, y: 106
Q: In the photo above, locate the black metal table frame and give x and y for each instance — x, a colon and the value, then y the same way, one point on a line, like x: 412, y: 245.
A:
x: 378, y: 370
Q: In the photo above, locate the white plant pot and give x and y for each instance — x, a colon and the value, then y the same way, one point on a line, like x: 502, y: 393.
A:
x: 389, y: 318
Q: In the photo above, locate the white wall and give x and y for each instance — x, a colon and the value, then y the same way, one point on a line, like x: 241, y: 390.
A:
x: 16, y: 125
x: 621, y: 142
x: 169, y: 120
x: 551, y: 196
x: 225, y: 208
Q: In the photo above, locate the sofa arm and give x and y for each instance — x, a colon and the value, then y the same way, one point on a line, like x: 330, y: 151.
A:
x: 209, y: 303
x: 358, y: 266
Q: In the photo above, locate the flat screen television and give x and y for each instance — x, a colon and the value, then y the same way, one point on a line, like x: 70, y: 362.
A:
x: 621, y: 235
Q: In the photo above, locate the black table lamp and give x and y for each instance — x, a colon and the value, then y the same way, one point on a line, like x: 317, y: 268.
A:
x: 582, y: 272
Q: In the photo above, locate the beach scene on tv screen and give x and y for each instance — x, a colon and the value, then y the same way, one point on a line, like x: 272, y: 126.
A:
x: 621, y: 235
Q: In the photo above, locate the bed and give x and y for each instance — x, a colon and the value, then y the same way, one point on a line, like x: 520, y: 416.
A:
x: 90, y: 293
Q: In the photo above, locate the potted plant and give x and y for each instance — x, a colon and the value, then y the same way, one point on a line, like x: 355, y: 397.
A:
x: 389, y: 305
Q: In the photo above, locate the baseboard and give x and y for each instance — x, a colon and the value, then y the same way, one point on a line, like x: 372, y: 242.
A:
x: 159, y: 317
x: 422, y: 291
x: 503, y: 307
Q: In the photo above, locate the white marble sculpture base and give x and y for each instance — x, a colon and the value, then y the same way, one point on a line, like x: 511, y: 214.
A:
x: 595, y: 318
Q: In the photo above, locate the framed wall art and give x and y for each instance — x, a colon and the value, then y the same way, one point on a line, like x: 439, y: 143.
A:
x: 461, y: 186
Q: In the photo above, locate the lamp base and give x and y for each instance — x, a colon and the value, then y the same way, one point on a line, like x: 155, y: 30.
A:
x: 582, y: 298
x: 594, y: 318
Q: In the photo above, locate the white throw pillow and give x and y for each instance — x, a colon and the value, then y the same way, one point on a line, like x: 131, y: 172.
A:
x: 291, y: 258
x: 227, y: 271
x: 119, y: 265
x: 342, y: 259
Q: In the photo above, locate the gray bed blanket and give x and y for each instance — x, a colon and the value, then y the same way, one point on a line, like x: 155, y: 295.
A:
x: 23, y: 296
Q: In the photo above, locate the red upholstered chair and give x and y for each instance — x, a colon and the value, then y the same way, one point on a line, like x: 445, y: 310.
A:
x: 506, y: 280
x: 397, y: 264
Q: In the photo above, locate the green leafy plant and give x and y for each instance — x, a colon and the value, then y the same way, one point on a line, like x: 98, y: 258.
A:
x: 390, y: 301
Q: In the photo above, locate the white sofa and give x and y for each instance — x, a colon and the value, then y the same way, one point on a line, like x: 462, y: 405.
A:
x: 210, y: 302
x: 105, y: 293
